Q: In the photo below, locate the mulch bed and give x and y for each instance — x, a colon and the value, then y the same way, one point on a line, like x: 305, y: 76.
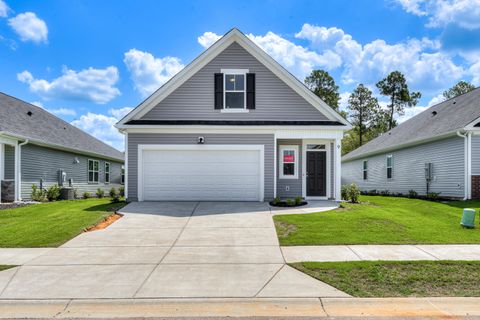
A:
x: 285, y: 205
x: 105, y: 223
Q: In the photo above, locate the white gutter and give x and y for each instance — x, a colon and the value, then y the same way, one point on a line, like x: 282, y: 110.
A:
x: 467, y: 169
x: 18, y: 170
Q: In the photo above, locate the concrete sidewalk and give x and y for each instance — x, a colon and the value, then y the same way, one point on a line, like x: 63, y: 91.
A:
x: 381, y: 252
x: 257, y: 307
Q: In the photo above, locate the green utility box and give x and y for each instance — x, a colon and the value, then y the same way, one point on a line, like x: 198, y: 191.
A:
x: 468, y: 218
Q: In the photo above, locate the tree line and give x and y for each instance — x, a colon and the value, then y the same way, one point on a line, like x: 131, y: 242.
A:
x: 368, y: 118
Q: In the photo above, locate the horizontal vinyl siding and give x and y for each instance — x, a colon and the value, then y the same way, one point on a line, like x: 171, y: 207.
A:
x: 475, y: 155
x: 9, y: 158
x: 295, y: 185
x: 194, y: 100
x: 134, y: 139
x: 446, y: 155
x: 44, y: 163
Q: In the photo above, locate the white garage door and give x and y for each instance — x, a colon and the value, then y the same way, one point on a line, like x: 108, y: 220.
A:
x: 200, y: 172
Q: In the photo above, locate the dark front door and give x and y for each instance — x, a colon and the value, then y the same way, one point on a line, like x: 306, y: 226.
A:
x: 316, y: 174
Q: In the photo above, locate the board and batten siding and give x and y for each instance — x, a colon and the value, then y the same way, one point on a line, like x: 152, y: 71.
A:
x: 134, y: 139
x: 294, y: 185
x: 43, y: 163
x: 9, y: 159
x: 446, y: 155
x: 194, y: 100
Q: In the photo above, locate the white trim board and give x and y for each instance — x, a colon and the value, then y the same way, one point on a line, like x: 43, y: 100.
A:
x: 208, y: 55
x: 200, y: 147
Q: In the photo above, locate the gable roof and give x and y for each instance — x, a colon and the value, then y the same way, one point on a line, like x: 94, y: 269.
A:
x: 203, y: 59
x: 441, y: 120
x: 43, y: 128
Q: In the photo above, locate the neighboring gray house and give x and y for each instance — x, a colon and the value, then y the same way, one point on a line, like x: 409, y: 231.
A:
x: 35, y: 145
x: 236, y: 126
x: 442, y: 144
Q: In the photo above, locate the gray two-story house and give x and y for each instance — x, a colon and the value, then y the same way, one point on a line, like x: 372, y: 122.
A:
x: 436, y: 151
x: 39, y: 148
x: 233, y: 125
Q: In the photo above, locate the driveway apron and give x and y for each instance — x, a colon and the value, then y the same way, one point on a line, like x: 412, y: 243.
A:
x: 169, y: 250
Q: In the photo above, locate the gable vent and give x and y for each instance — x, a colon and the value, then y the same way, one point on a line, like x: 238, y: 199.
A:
x: 434, y: 113
x: 29, y: 113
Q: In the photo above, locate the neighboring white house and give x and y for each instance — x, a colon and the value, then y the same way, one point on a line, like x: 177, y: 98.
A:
x: 236, y: 126
x: 438, y: 149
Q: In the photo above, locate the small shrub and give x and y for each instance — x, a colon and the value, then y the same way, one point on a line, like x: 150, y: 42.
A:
x: 38, y: 194
x: 276, y: 201
x: 433, y: 196
x: 112, y: 192
x: 290, y: 202
x: 86, y: 195
x: 298, y: 200
x: 115, y: 198
x: 344, y: 192
x: 75, y: 194
x: 373, y: 192
x: 100, y: 193
x: 385, y: 193
x: 412, y: 194
x: 353, y: 193
x: 53, y: 193
x: 121, y: 190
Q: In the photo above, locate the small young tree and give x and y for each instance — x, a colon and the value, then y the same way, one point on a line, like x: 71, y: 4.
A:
x: 460, y: 88
x: 363, y: 106
x: 395, y: 87
x: 323, y: 85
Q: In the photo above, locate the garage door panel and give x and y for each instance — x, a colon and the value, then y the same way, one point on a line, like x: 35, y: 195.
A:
x: 201, y: 175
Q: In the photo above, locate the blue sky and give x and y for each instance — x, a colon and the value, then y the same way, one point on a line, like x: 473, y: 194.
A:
x: 89, y: 62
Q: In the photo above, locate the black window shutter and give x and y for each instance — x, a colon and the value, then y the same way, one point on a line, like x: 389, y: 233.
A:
x: 218, y: 90
x: 250, y: 90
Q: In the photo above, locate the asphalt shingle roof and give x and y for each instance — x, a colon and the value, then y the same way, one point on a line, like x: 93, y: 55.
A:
x: 451, y: 115
x: 43, y: 127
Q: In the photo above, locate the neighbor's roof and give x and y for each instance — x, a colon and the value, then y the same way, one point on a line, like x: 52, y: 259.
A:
x: 439, y: 120
x: 43, y: 127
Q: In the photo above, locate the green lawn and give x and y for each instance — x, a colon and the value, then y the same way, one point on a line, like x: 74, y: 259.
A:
x: 380, y: 220
x: 399, y: 279
x: 51, y: 224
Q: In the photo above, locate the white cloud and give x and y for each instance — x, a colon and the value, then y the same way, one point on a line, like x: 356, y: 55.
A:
x: 475, y: 73
x: 149, y: 73
x: 3, y: 9
x: 410, y: 112
x: 207, y: 39
x: 464, y: 13
x: 343, y: 103
x: 63, y: 112
x: 38, y: 104
x: 436, y: 100
x: 120, y: 112
x: 29, y: 27
x: 96, y: 85
x: 101, y: 127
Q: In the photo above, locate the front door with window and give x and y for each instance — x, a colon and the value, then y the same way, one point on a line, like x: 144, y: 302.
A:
x: 316, y: 174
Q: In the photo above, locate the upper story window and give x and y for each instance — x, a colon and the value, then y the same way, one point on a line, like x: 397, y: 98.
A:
x: 389, y: 166
x: 365, y: 169
x: 93, y: 169
x: 288, y: 162
x: 234, y: 90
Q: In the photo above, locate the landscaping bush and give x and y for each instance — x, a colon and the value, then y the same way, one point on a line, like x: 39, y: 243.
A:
x: 298, y: 200
x: 385, y: 193
x: 100, y: 193
x: 290, y: 202
x: 344, y: 192
x: 433, y: 196
x: 38, y: 194
x: 112, y: 192
x: 412, y: 194
x: 353, y: 193
x: 276, y: 201
x: 121, y: 190
x: 115, y: 198
x: 53, y: 193
x: 87, y: 195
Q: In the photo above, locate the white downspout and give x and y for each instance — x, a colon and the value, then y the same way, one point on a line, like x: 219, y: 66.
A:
x: 466, y: 163
x: 18, y: 177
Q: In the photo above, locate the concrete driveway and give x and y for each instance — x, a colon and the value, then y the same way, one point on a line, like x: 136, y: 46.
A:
x: 169, y: 250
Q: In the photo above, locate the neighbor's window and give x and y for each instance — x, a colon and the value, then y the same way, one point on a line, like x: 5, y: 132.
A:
x: 288, y: 162
x: 389, y: 166
x: 365, y: 170
x: 107, y: 172
x: 93, y: 167
x: 234, y: 90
